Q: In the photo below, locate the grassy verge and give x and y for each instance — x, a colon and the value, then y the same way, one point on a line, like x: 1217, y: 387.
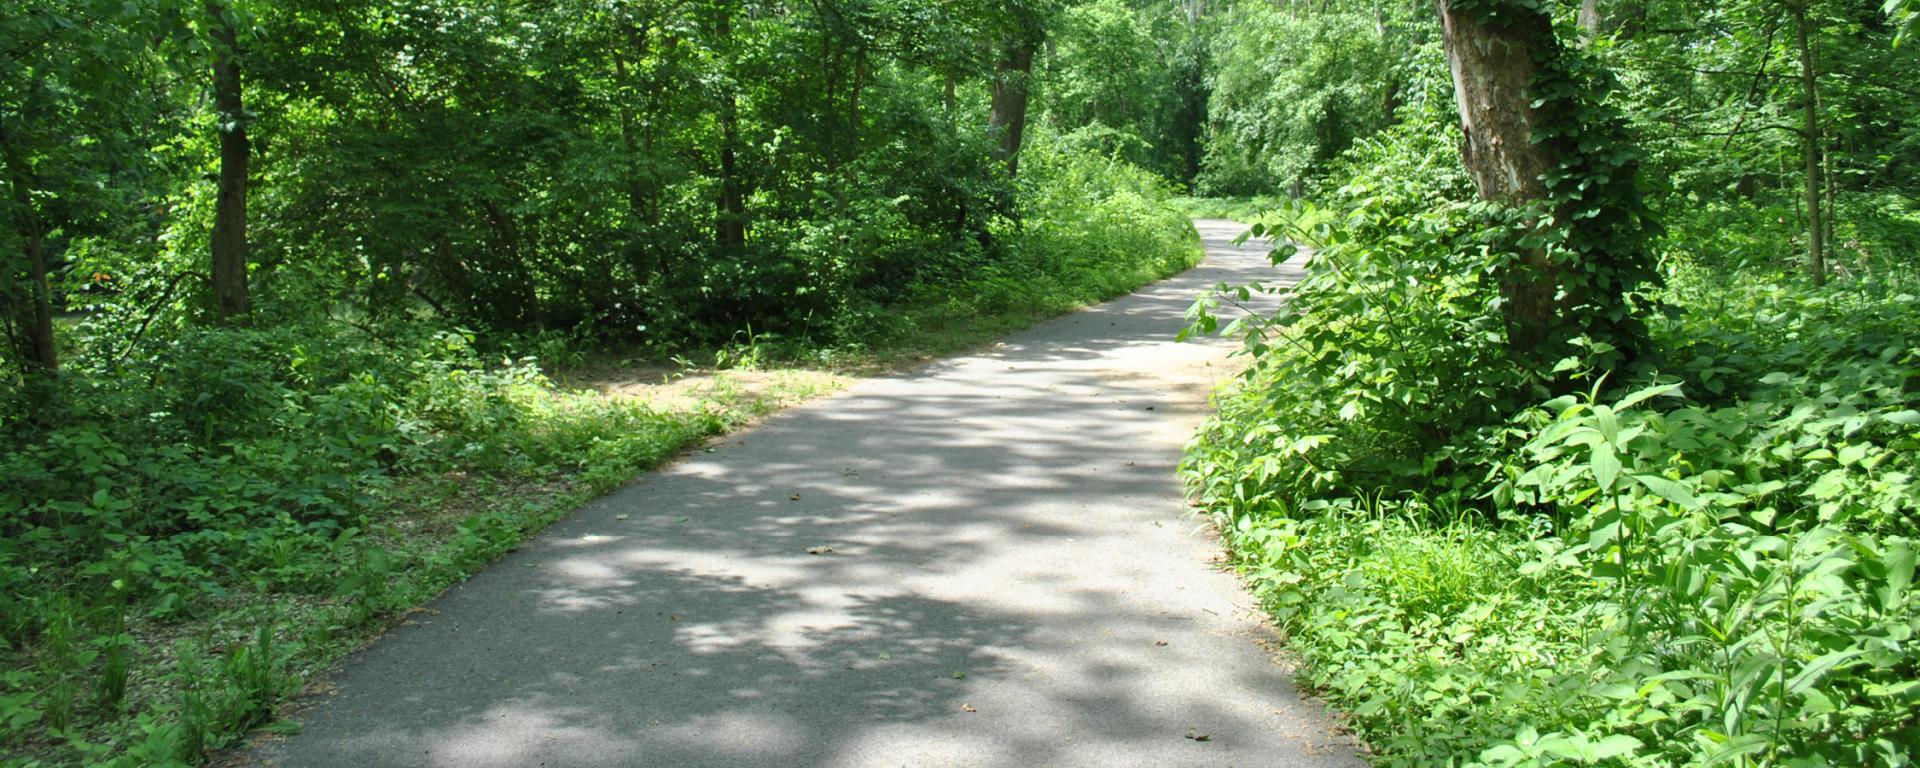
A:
x: 163, y: 671
x: 196, y: 530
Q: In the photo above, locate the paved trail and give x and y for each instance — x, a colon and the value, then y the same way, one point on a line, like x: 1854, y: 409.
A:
x: 1011, y: 583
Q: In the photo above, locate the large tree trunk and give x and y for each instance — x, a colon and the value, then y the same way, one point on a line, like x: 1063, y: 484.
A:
x: 40, y: 325
x: 636, y: 186
x: 38, y: 319
x: 832, y: 69
x: 1493, y: 63
x: 853, y: 102
x: 731, y: 218
x: 1810, y: 148
x: 1007, y: 109
x: 229, y: 241
x: 1589, y: 21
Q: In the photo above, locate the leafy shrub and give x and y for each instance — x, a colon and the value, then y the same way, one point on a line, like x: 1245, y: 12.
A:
x: 1703, y: 557
x: 1708, y: 563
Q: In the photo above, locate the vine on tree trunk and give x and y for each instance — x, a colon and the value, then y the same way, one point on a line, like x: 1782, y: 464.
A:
x: 1554, y: 162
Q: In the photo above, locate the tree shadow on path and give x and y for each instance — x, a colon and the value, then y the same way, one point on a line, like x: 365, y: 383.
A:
x: 982, y: 563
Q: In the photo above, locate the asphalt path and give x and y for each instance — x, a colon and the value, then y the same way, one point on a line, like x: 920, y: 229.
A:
x: 986, y: 562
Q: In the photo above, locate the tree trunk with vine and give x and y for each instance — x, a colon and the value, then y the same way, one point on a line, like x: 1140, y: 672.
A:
x: 1494, y: 58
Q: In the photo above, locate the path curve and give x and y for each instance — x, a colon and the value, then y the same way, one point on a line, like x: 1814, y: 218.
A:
x: 1012, y: 582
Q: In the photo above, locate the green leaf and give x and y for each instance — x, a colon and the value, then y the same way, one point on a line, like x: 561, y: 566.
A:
x: 282, y: 727
x: 1818, y: 668
x: 1905, y: 690
x: 1829, y: 485
x: 1606, y: 466
x: 1646, y: 394
x: 1504, y: 754
x: 1613, y: 746
x: 1744, y: 744
x: 1608, y: 423
x: 1668, y: 489
x: 1898, y: 561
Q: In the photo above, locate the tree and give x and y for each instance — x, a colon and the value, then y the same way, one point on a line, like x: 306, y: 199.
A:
x: 229, y: 241
x: 1493, y: 52
x: 1494, y: 61
x: 731, y: 216
x: 1114, y: 82
x: 71, y: 154
x: 1289, y: 95
x: 1537, y: 137
x: 37, y: 319
x: 1810, y: 146
x: 1007, y: 113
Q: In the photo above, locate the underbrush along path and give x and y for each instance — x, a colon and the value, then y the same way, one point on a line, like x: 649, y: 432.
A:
x: 982, y: 563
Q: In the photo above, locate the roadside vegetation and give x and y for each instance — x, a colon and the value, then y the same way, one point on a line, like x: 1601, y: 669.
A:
x: 1673, y: 527
x: 200, y: 521
x: 300, y: 298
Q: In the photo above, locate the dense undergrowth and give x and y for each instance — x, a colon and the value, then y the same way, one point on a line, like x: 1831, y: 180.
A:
x: 197, y: 522
x: 1235, y: 208
x: 1705, y: 557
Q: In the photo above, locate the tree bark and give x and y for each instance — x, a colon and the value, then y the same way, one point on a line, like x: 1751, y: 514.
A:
x: 39, y: 348
x: 832, y: 69
x: 1589, y: 21
x: 1493, y: 62
x: 1810, y: 148
x: 229, y: 240
x: 853, y: 102
x: 1007, y: 107
x: 40, y: 329
x: 730, y: 220
x: 636, y: 187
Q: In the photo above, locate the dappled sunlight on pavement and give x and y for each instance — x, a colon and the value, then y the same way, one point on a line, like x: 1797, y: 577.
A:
x: 985, y: 563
